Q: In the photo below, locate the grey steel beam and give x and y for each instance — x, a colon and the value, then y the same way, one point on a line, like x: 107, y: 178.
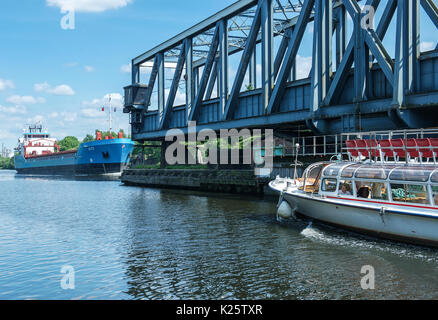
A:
x: 223, y: 65
x: 243, y: 65
x: 190, y: 81
x: 281, y: 51
x: 161, y: 86
x: 341, y: 34
x: 213, y: 80
x: 382, y: 56
x: 431, y: 10
x: 205, y: 76
x: 267, y: 51
x: 322, y: 53
x: 173, y: 89
x: 386, y: 18
x: 135, y: 74
x: 152, y: 78
x: 290, y: 55
x: 209, y: 23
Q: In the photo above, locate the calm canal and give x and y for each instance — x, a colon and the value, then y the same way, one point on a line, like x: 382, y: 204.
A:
x: 139, y: 243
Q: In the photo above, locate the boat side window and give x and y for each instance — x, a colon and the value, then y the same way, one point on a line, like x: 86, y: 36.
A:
x: 410, y: 193
x: 345, y: 188
x: 372, y: 190
x: 435, y: 195
x: 379, y: 191
x: 329, y: 185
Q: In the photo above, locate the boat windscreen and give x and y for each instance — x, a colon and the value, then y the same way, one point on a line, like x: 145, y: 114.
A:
x: 349, y: 171
x: 434, y: 177
x: 412, y: 173
x: 374, y: 172
x: 332, y: 170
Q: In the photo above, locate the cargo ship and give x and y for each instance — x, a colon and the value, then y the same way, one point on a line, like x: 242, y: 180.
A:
x: 39, y: 154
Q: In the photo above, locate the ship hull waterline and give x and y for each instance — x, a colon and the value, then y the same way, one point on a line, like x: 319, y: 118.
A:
x: 393, y: 224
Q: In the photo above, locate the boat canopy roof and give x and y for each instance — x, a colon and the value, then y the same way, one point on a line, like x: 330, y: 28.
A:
x: 396, y: 172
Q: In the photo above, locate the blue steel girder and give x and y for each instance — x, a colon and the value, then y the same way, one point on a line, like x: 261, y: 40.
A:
x: 206, y: 74
x: 217, y: 38
x: 290, y: 55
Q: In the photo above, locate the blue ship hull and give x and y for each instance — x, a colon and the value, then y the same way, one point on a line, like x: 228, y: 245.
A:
x: 101, y: 157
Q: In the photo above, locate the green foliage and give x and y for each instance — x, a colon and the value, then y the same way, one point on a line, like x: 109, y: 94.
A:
x: 6, y: 163
x: 69, y: 143
x: 149, y: 152
x: 249, y: 87
x: 88, y: 138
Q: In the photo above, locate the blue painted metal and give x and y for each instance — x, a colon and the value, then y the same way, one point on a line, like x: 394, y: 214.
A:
x: 368, y: 89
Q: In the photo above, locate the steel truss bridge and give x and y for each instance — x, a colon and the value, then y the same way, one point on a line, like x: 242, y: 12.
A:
x: 354, y: 83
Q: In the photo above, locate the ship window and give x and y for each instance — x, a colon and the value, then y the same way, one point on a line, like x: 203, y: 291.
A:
x: 420, y: 174
x: 435, y: 195
x: 345, y: 188
x: 371, y: 190
x: 410, y: 193
x: 329, y: 185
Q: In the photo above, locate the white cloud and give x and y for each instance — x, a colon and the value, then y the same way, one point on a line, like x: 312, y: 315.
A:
x: 126, y: 68
x: 4, y: 84
x: 61, y: 90
x: 88, y: 5
x: 13, y: 110
x: 427, y: 46
x: 89, y: 68
x: 38, y: 87
x: 22, y: 100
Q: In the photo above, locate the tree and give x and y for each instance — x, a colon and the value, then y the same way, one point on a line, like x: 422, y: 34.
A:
x: 69, y: 143
x: 6, y: 163
x: 88, y: 138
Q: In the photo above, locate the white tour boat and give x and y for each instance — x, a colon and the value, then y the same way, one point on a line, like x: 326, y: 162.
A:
x: 394, y: 200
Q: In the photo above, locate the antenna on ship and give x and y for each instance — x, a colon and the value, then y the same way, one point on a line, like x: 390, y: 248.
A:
x: 110, y: 116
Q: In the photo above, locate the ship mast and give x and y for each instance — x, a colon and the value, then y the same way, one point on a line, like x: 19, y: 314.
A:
x: 110, y: 116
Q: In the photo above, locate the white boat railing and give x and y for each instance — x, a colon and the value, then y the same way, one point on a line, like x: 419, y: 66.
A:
x: 420, y: 145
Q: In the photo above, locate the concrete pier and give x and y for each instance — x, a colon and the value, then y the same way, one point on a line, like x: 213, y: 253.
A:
x: 235, y: 181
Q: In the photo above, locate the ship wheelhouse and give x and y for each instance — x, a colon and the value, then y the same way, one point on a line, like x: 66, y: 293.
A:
x: 378, y: 183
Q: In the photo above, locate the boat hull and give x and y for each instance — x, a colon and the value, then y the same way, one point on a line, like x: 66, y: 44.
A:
x: 394, y: 223
x: 104, y: 157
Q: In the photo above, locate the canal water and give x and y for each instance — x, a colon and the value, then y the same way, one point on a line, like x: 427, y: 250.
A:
x: 138, y: 243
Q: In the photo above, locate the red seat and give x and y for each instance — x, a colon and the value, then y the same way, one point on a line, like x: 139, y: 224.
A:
x: 412, y: 148
x: 386, y: 148
x: 434, y: 144
x: 425, y: 148
x: 352, y: 148
x: 372, y: 146
x: 362, y: 148
x: 398, y: 146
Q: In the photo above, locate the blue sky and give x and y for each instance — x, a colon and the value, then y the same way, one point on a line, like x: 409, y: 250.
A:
x: 37, y: 51
x: 62, y: 77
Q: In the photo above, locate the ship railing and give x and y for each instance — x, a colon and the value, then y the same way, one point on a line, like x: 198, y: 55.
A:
x: 416, y: 145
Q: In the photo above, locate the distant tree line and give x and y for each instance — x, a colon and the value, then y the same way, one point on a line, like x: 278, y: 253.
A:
x: 6, y: 163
